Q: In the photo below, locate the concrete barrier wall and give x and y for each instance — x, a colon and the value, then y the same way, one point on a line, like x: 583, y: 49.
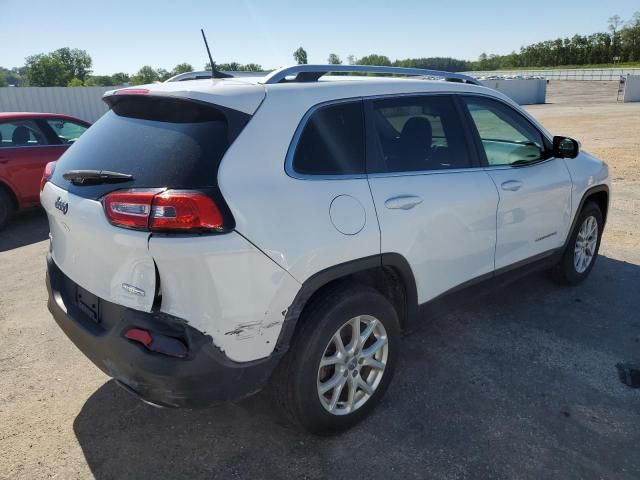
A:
x: 81, y: 102
x: 588, y: 74
x: 523, y: 92
x: 632, y: 89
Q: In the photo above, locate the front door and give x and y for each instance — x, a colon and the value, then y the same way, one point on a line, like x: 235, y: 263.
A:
x: 534, y: 212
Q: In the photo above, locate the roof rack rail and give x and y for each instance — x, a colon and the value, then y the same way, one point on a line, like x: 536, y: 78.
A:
x: 311, y: 73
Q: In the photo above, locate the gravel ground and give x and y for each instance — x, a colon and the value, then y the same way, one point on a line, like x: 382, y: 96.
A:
x: 518, y: 384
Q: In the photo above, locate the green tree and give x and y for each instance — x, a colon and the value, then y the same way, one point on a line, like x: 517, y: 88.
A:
x: 145, y: 75
x: 90, y: 82
x: 13, y: 76
x: 334, y: 59
x: 120, y: 78
x: 235, y: 67
x: 374, y: 59
x: 77, y: 63
x: 163, y: 74
x: 229, y: 67
x: 300, y: 56
x: 75, y: 82
x: 58, y: 68
x: 252, y: 67
x: 101, y: 80
x: 181, y: 68
x: 46, y: 71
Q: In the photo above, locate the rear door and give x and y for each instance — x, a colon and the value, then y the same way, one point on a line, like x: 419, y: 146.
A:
x: 534, y: 213
x: 25, y: 149
x: 435, y: 205
x: 165, y: 145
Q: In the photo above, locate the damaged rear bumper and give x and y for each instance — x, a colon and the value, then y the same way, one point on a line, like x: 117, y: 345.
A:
x: 205, y: 376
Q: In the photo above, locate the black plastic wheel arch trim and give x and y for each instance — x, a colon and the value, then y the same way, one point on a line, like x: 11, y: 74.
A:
x: 336, y: 272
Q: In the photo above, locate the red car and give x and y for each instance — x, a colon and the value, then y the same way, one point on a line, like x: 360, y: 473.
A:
x: 28, y: 141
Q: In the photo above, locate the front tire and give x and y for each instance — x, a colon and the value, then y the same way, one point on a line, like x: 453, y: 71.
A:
x: 6, y: 208
x: 341, y: 360
x: 582, y: 249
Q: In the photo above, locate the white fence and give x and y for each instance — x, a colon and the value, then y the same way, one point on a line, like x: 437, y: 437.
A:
x: 565, y: 74
x: 521, y: 91
x: 81, y: 102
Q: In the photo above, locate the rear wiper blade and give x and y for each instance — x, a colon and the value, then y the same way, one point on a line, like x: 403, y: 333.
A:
x: 94, y: 177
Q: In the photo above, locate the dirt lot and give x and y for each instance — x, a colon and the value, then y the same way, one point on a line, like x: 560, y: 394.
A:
x: 519, y: 384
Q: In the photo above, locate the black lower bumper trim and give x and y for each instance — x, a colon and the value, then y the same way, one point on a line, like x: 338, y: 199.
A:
x: 206, y: 376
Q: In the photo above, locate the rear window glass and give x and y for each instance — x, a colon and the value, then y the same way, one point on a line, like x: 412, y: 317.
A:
x: 332, y: 142
x: 162, y: 143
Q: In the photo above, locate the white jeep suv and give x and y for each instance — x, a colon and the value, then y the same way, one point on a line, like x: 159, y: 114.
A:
x: 211, y: 236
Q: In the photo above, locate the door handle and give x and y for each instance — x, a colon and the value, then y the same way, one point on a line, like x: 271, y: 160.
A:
x: 403, y: 202
x: 512, y: 185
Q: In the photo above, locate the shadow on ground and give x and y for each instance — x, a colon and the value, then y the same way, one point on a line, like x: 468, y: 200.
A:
x: 521, y: 383
x: 24, y: 229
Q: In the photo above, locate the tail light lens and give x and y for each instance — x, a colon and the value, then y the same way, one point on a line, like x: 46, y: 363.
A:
x: 171, y: 210
x: 184, y: 211
x: 47, y: 174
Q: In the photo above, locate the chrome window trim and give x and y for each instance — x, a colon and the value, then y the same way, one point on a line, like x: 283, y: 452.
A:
x: 415, y: 173
x: 7, y: 147
x: 290, y: 171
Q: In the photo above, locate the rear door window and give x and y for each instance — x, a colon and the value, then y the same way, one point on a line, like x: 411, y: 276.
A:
x: 21, y: 133
x: 332, y: 141
x: 417, y: 133
x: 161, y: 142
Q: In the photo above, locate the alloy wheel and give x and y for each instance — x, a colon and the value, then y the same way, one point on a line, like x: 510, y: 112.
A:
x: 585, y: 246
x: 352, y: 365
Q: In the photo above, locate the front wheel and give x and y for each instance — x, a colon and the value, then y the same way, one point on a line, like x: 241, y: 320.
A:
x: 584, y: 244
x: 6, y: 208
x: 341, y: 360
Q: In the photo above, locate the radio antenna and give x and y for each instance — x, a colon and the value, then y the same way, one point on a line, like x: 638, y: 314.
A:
x: 214, y: 73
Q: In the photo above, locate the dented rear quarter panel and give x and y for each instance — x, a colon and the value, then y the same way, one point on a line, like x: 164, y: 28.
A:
x: 225, y: 287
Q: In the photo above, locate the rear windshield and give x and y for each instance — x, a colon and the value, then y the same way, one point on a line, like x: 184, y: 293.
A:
x: 161, y: 142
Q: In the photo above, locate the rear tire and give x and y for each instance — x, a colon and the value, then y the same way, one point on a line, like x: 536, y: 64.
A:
x: 333, y: 397
x: 582, y: 249
x: 7, y: 208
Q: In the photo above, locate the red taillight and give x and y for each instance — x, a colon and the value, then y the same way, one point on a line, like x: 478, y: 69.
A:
x: 129, y: 209
x: 169, y: 210
x: 47, y: 174
x: 184, y: 211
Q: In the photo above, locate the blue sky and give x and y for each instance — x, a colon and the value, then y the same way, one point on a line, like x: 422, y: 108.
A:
x: 123, y: 36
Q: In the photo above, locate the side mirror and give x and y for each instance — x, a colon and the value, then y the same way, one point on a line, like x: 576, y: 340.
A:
x: 565, y: 147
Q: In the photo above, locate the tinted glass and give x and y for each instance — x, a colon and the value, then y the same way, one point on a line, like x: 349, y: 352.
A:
x: 66, y: 131
x: 507, y: 137
x: 419, y: 133
x: 162, y: 143
x: 332, y: 142
x: 21, y: 133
